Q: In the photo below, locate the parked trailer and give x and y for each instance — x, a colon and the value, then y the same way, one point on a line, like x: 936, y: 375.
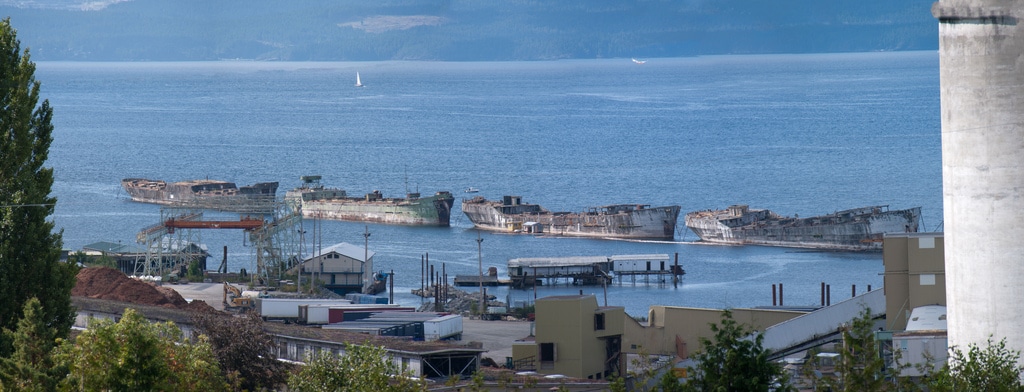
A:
x: 443, y: 328
x: 317, y: 314
x: 288, y: 308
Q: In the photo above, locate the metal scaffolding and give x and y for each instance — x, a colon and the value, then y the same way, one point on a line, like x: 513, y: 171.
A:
x: 168, y: 249
x: 276, y: 244
x: 175, y: 241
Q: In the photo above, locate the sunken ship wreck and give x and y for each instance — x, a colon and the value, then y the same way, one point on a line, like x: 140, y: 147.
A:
x: 621, y: 221
x: 317, y: 201
x: 859, y: 229
x: 204, y: 194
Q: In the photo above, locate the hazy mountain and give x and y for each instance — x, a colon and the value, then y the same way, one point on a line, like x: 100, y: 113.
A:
x: 326, y: 30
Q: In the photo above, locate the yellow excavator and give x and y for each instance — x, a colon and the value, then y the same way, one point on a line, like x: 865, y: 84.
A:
x: 235, y: 301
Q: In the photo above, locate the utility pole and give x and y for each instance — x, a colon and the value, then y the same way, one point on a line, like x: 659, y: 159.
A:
x: 366, y: 258
x: 480, y: 263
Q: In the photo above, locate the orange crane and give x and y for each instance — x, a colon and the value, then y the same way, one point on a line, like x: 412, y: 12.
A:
x: 245, y: 223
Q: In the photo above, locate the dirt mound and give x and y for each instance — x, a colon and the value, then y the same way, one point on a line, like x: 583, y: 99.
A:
x: 200, y: 306
x: 110, y: 284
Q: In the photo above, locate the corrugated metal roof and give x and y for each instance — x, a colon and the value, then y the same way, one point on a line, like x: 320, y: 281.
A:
x: 110, y: 247
x: 639, y: 257
x: 822, y: 322
x: 344, y: 249
x: 540, y: 262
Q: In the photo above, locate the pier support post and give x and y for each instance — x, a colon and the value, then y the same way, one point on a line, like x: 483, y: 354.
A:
x: 773, y: 295
x: 780, y: 295
x: 822, y: 293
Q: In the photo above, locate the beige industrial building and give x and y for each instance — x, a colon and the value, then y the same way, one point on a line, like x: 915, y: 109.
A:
x: 915, y: 300
x: 676, y: 331
x: 914, y: 275
x: 574, y: 337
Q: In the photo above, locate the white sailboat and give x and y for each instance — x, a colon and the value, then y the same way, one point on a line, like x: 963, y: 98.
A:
x: 358, y: 82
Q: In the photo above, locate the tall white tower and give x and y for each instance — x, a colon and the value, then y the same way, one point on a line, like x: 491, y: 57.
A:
x: 981, y: 63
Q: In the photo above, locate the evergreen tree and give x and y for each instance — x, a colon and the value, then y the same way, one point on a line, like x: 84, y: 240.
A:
x: 29, y: 248
x: 860, y: 365
x: 31, y: 368
x: 735, y: 362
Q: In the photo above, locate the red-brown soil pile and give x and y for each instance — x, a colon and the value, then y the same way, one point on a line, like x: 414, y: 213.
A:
x: 111, y: 284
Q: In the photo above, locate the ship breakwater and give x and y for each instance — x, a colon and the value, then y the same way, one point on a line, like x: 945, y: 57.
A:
x: 204, y: 194
x: 856, y: 229
x: 627, y: 221
x: 317, y: 201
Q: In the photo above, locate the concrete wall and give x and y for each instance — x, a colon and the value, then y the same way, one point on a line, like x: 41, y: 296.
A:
x: 914, y: 275
x: 675, y: 330
x: 982, y: 98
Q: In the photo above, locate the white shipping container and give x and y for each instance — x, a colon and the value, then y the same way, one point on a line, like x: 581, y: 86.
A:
x: 444, y: 327
x: 288, y: 308
x: 314, y: 314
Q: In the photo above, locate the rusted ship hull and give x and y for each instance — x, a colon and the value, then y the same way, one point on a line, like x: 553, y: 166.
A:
x: 206, y: 194
x: 621, y: 221
x: 330, y: 203
x: 858, y: 229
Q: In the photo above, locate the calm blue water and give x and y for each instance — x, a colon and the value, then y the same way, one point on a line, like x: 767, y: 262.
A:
x: 799, y: 134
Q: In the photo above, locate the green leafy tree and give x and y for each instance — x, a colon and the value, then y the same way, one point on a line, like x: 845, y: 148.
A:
x: 734, y: 362
x: 246, y: 352
x: 31, y: 367
x: 30, y: 263
x: 361, y: 368
x: 136, y: 355
x: 992, y: 368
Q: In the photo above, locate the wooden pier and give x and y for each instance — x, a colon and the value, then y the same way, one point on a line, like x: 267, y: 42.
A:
x: 592, y: 270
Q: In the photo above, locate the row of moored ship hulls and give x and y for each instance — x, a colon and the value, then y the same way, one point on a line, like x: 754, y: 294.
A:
x: 855, y: 229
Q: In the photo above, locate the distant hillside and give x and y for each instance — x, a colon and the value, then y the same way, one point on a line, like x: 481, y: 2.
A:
x: 461, y: 30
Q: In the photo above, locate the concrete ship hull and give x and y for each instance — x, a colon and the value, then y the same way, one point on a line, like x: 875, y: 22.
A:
x: 205, y: 194
x: 624, y: 221
x: 859, y: 229
x: 329, y: 203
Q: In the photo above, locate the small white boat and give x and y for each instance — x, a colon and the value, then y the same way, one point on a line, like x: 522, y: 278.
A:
x: 472, y: 190
x: 358, y: 82
x: 639, y: 61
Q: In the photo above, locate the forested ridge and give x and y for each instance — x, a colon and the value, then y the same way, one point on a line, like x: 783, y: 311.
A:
x: 454, y: 30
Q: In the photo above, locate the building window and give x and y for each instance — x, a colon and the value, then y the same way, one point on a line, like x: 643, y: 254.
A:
x: 547, y: 352
x: 599, y: 322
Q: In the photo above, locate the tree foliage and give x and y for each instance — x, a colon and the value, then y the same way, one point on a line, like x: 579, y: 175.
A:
x: 246, y: 352
x: 30, y: 263
x: 31, y: 367
x: 732, y: 361
x: 992, y: 368
x: 136, y: 355
x: 860, y: 364
x: 360, y: 368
